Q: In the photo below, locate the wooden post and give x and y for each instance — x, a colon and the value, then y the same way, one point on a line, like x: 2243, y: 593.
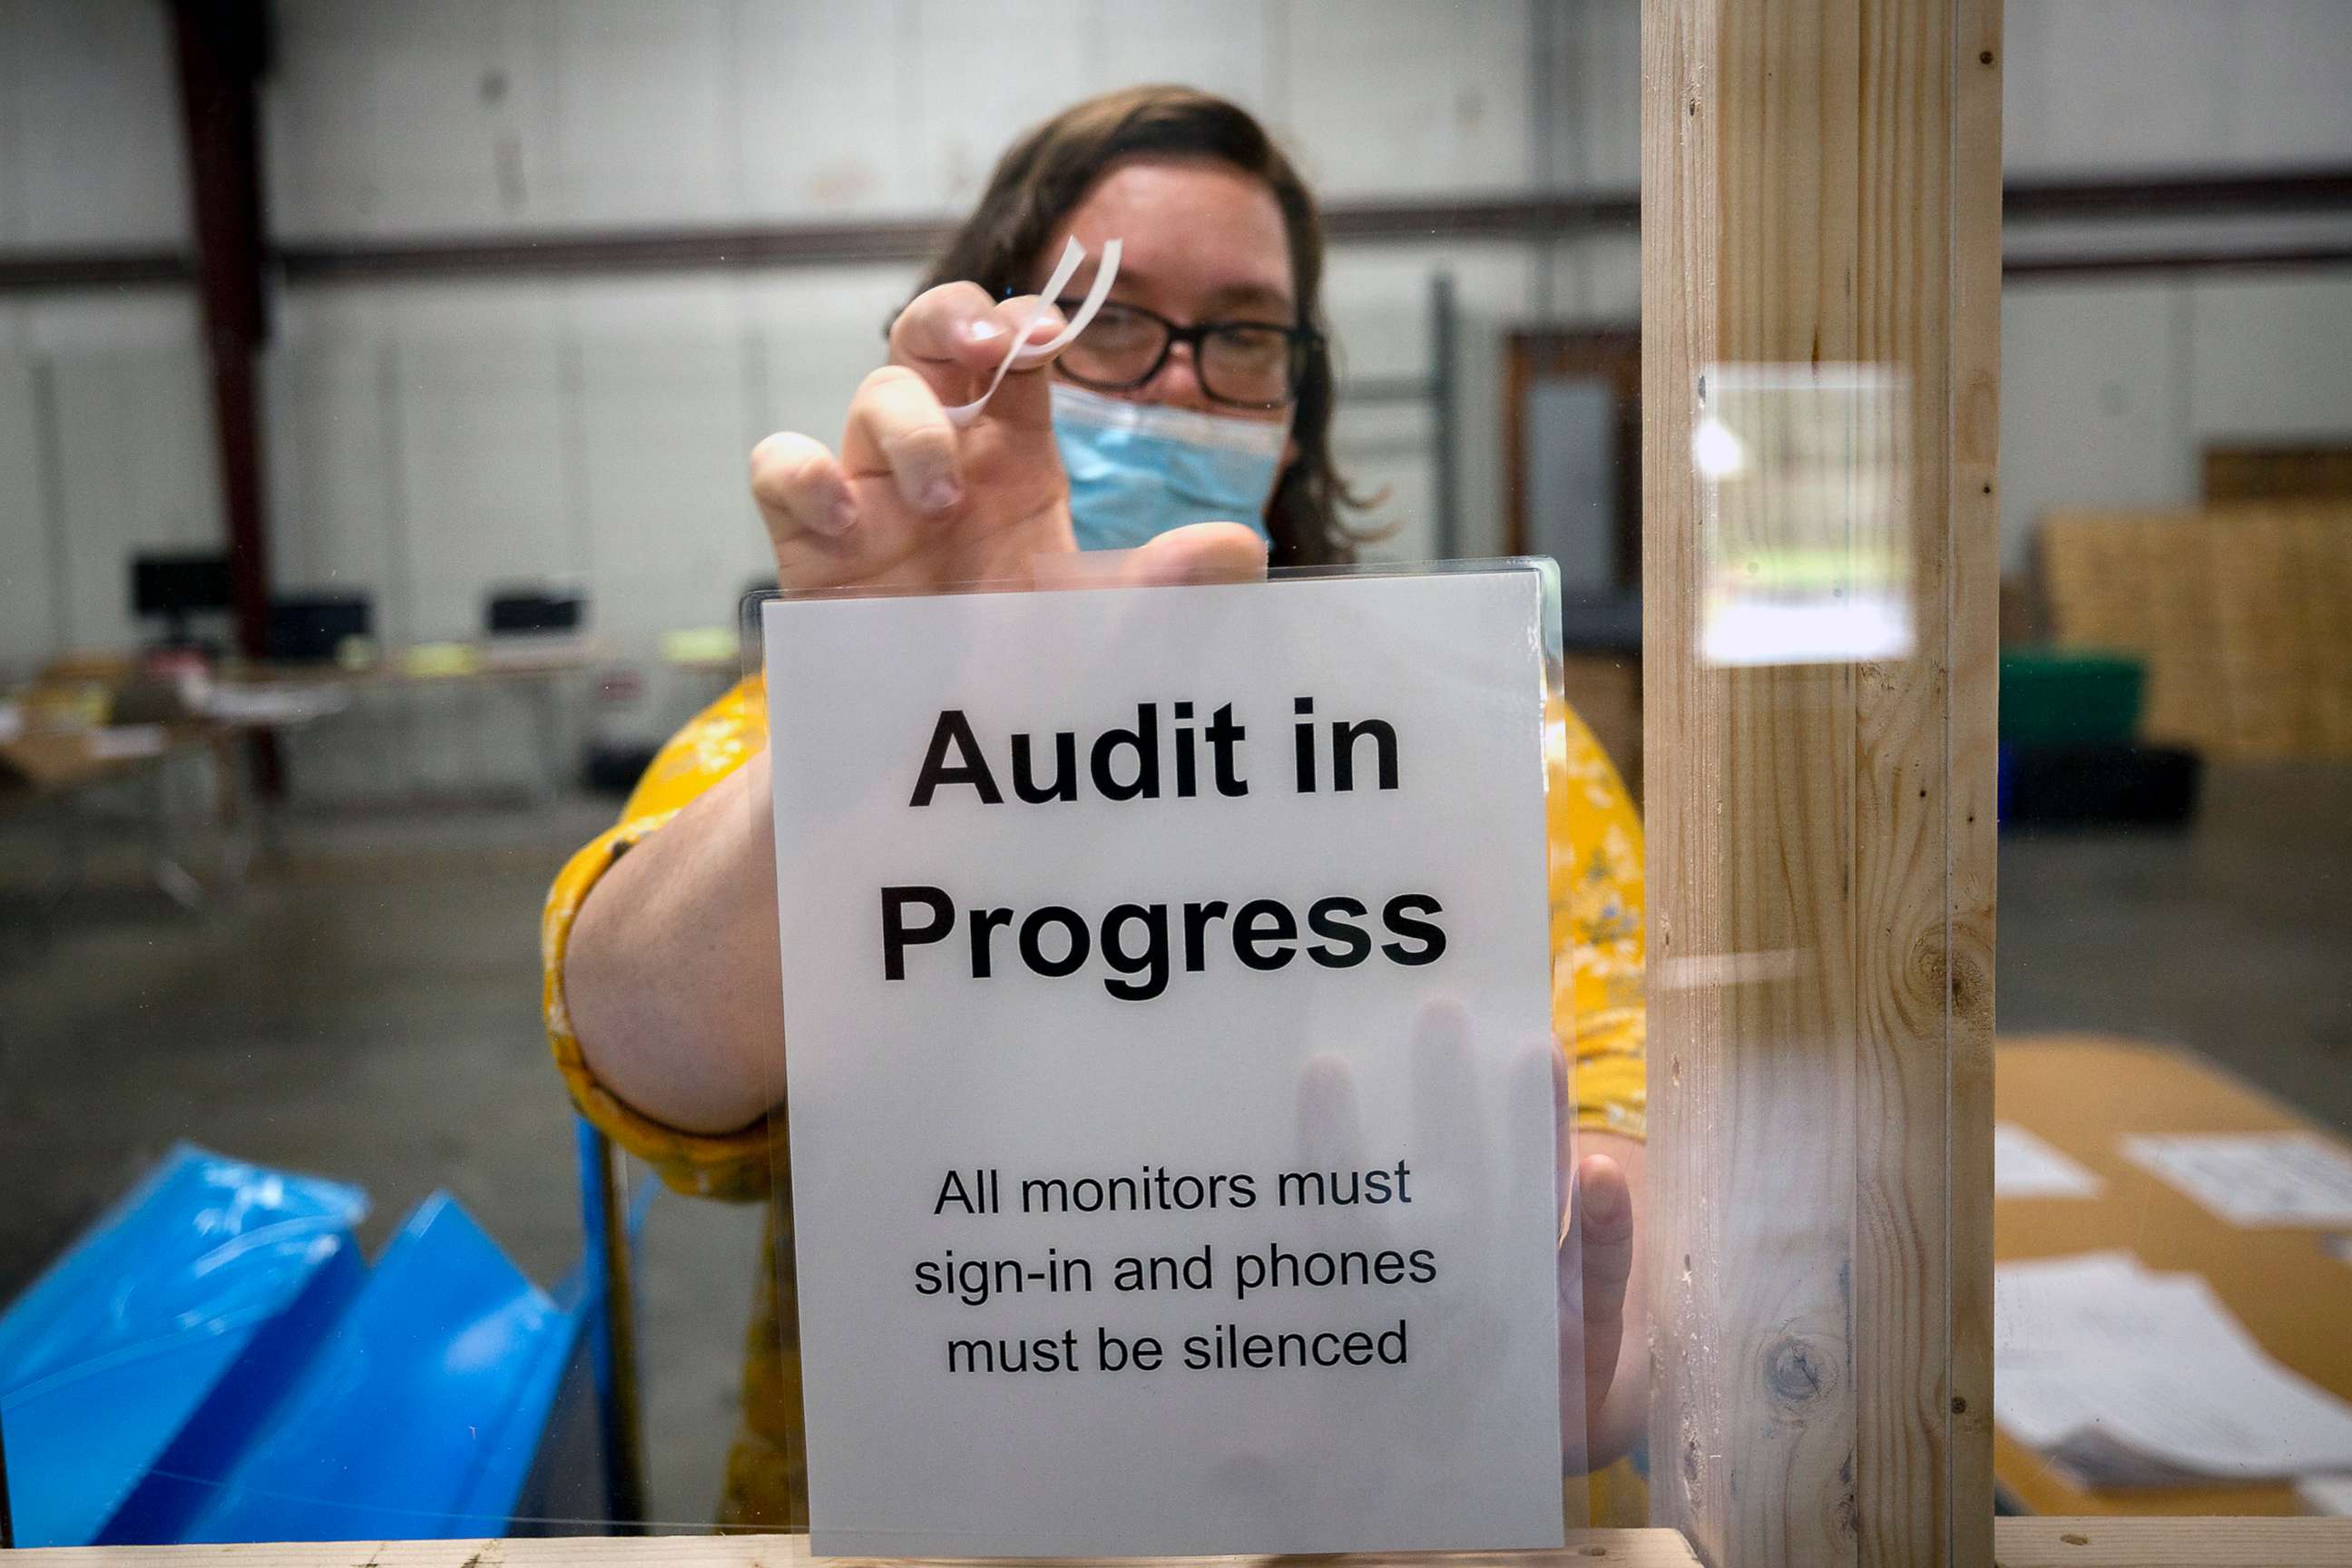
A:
x: 1821, y: 187
x: 221, y: 45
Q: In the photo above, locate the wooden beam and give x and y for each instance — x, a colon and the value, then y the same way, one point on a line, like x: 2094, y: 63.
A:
x: 2320, y: 188
x: 1820, y: 189
x: 51, y: 271
x: 2172, y: 1542
x: 1503, y: 218
x: 1618, y: 1548
x: 1537, y: 216
x: 2021, y: 1543
x: 1970, y: 698
x: 2178, y: 258
x: 219, y: 46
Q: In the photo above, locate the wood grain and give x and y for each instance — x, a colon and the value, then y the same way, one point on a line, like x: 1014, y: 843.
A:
x: 1974, y: 743
x: 1820, y: 188
x: 1626, y: 1548
x: 2172, y: 1542
x: 2019, y: 1543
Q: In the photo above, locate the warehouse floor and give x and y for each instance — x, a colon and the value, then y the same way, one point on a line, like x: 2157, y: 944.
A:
x: 368, y: 1009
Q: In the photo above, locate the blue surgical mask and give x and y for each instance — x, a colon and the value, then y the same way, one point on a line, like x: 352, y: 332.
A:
x: 1138, y: 469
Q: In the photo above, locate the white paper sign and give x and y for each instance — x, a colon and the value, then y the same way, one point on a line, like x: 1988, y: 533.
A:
x: 1173, y: 1149
x: 2253, y: 1178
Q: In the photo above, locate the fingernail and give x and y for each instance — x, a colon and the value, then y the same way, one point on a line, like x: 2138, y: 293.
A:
x: 982, y: 330
x: 942, y: 494
x: 844, y: 514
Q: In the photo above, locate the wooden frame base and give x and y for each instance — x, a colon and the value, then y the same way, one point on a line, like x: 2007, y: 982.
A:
x: 2018, y: 1543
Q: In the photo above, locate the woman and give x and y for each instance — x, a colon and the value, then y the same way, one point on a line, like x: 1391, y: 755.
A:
x: 1191, y: 421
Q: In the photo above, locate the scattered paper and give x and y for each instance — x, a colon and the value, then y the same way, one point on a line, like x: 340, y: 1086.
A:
x: 123, y: 743
x: 530, y: 650
x: 275, y: 703
x: 2024, y: 1166
x: 2128, y: 1378
x: 2326, y: 1494
x: 432, y: 658
x: 2253, y: 1178
x: 702, y: 645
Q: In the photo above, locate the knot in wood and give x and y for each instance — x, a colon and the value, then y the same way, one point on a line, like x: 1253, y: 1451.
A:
x: 1928, y: 964
x: 1796, y: 1372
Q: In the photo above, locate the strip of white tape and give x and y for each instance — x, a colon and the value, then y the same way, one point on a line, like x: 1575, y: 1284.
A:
x: 1020, y: 348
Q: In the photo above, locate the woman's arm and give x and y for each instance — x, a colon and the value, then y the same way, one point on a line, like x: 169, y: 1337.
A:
x: 669, y: 979
x: 671, y: 974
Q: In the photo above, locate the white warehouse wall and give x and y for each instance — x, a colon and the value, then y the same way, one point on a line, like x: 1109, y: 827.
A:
x: 90, y: 132
x: 459, y: 115
x: 2144, y: 86
x: 426, y: 441
x: 105, y: 437
x: 591, y: 418
x: 2112, y: 389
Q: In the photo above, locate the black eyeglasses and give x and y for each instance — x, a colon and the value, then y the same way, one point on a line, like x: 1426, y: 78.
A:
x: 1248, y: 365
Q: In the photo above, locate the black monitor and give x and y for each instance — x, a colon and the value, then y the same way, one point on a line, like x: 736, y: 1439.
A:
x: 533, y: 610
x: 311, y: 628
x: 176, y: 586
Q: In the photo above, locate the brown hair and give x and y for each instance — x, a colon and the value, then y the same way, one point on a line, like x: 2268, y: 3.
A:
x: 1049, y: 171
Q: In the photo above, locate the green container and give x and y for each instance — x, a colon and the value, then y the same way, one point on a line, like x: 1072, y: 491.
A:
x: 2070, y: 697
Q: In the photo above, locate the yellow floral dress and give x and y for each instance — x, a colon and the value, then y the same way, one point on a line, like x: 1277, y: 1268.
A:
x: 1596, y: 904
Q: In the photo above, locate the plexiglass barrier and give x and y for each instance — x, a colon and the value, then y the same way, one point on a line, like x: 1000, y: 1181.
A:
x: 1336, y: 889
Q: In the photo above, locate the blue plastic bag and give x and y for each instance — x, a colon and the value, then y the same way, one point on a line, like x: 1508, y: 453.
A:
x: 421, y: 1415
x: 183, y: 1285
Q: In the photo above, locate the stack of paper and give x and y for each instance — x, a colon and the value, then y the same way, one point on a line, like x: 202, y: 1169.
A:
x: 2124, y: 1377
x: 275, y: 703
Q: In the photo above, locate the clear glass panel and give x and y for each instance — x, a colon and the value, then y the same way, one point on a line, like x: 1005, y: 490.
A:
x: 2172, y: 1094
x: 2174, y: 1139
x: 377, y: 551
x: 375, y: 538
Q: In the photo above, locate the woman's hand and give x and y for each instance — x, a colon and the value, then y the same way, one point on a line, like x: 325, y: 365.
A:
x: 1598, y: 1282
x: 914, y: 501
x: 1603, y: 1308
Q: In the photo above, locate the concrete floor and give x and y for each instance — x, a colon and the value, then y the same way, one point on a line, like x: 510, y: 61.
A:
x: 2235, y: 939
x: 369, y: 1009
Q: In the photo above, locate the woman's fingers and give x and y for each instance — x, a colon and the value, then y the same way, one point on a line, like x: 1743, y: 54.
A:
x: 1200, y: 552
x: 898, y: 428
x: 955, y: 337
x: 956, y: 329
x: 1604, y: 1226
x: 1194, y: 553
x: 799, y: 487
x: 945, y: 326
